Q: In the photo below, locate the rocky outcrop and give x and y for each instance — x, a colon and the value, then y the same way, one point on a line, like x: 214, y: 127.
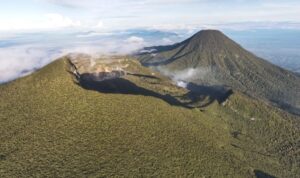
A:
x: 100, y: 69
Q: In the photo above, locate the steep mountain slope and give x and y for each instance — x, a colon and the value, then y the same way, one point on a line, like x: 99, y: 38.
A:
x: 53, y: 126
x: 217, y: 60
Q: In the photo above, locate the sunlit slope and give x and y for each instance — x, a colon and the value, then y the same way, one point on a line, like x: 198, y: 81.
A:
x: 52, y: 127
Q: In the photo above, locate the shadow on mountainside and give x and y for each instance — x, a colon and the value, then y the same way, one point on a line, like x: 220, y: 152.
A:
x: 261, y: 174
x: 198, y: 95
x: 287, y: 107
x: 144, y: 76
x: 215, y: 93
x: 123, y: 86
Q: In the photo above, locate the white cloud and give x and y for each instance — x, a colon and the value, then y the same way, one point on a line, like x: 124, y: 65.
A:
x: 93, y: 34
x: 40, y: 49
x: 93, y: 4
x: 159, y: 14
x: 177, y: 26
x: 256, y: 25
x: 133, y: 44
x: 135, y: 39
x: 100, y: 24
x: 21, y: 60
x: 6, y: 36
x: 59, y: 21
x: 167, y: 41
x: 50, y: 21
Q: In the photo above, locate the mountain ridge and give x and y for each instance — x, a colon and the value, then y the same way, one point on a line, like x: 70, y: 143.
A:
x: 52, y: 126
x: 226, y: 63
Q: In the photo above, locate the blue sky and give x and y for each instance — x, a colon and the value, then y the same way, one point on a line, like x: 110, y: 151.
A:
x: 106, y: 15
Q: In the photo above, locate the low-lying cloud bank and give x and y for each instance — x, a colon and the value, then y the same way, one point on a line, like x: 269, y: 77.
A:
x: 18, y: 61
x: 24, y: 53
x: 21, y: 54
x: 21, y: 60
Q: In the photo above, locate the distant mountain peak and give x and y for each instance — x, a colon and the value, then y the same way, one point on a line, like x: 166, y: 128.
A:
x: 212, y: 41
x: 209, y: 32
x: 205, y: 48
x: 224, y: 62
x: 209, y: 35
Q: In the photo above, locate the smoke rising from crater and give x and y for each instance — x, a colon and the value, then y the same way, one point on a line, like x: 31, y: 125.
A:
x: 183, y: 77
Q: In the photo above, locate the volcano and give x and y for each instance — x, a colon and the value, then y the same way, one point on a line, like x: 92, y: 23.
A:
x: 113, y: 117
x: 215, y: 59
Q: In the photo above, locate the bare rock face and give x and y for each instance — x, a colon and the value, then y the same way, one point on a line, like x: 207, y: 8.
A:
x: 88, y: 68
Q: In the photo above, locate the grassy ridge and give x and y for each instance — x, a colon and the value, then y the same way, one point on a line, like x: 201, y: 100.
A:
x: 51, y: 127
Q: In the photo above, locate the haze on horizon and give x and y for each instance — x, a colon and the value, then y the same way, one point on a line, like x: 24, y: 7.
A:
x: 35, y: 32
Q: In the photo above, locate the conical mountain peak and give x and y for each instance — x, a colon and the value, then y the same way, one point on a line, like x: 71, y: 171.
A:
x: 205, y: 48
x: 209, y: 33
x: 215, y: 41
x: 221, y: 61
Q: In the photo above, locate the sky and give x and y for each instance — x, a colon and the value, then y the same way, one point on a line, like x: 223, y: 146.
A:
x: 35, y: 32
x: 106, y: 15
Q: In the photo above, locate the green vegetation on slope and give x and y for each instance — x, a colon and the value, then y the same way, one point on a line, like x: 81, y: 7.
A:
x: 217, y: 60
x: 52, y: 127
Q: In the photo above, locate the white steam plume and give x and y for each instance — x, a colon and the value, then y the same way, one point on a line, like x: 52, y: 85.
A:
x: 183, y: 77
